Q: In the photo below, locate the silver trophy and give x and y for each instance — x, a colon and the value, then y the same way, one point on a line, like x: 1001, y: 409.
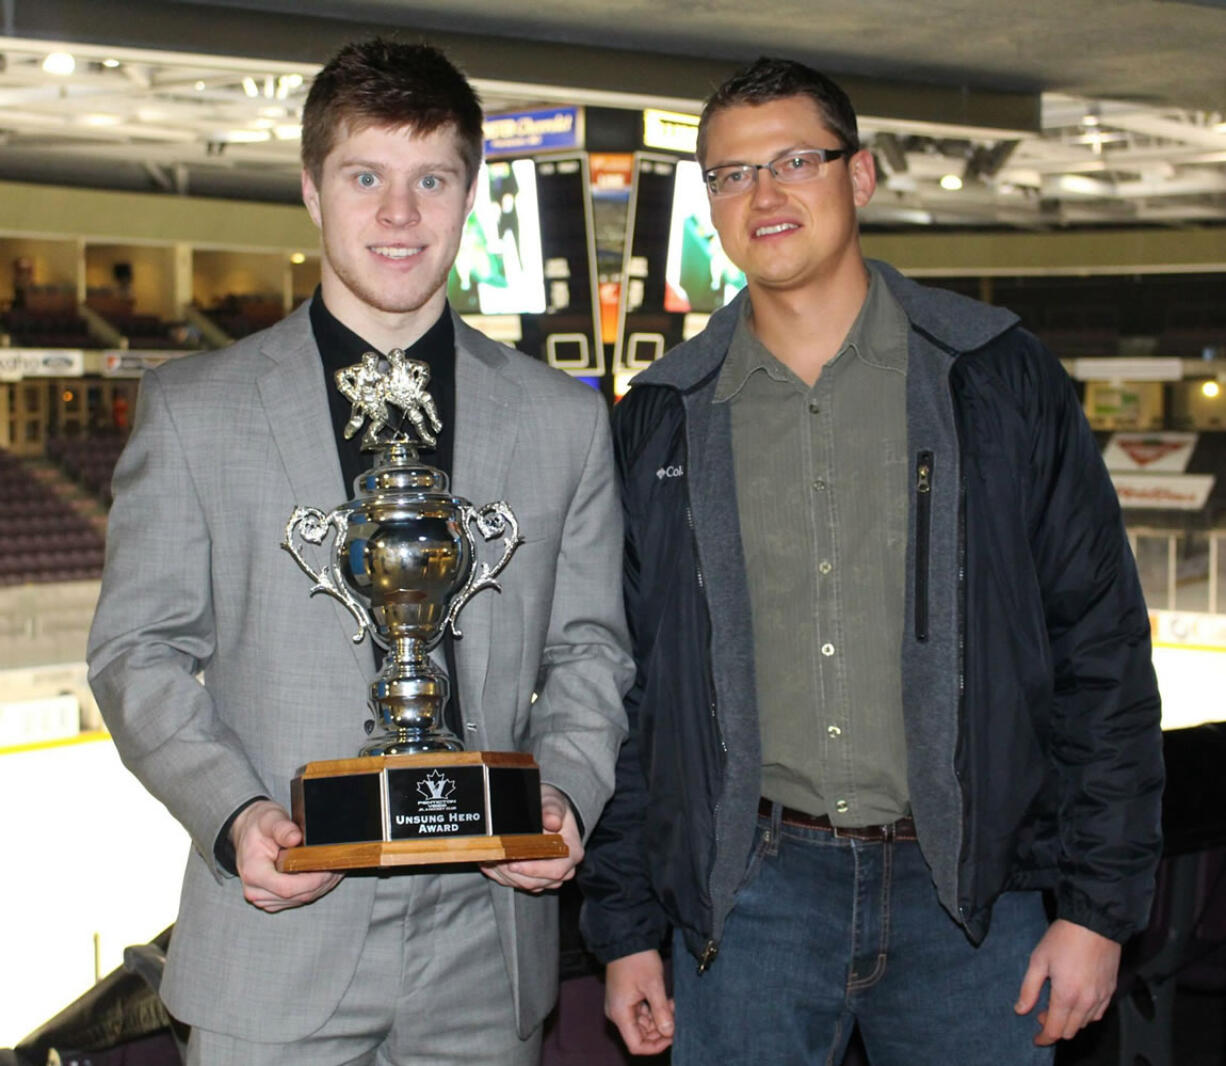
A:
x: 404, y: 562
x: 403, y: 553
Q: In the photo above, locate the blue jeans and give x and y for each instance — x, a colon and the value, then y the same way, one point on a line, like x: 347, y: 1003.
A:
x: 827, y: 932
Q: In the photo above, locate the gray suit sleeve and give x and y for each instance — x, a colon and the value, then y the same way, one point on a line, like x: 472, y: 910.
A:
x: 153, y: 634
x: 578, y: 722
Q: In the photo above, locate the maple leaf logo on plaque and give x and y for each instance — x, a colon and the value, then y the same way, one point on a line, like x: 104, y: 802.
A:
x: 435, y: 786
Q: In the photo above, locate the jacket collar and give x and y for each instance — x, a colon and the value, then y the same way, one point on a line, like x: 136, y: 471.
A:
x: 956, y: 323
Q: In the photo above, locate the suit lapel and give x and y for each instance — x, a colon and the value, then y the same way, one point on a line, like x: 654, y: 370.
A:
x: 488, y: 406
x: 292, y: 390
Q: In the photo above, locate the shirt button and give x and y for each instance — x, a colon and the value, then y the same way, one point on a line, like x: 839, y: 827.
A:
x: 824, y: 567
x: 819, y: 484
x: 827, y: 649
x: 833, y: 731
x: 841, y: 806
x: 814, y: 406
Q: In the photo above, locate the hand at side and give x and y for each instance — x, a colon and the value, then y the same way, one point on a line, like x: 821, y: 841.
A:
x: 635, y: 1001
x: 1082, y: 967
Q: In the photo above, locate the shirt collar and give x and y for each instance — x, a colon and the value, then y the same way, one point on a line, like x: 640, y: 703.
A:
x: 878, y: 335
x: 340, y: 347
x: 747, y: 354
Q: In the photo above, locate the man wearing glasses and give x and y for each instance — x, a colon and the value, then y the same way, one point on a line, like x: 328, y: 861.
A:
x: 893, y: 665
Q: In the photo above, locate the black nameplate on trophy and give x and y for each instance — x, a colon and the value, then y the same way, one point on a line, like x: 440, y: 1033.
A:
x: 425, y: 802
x: 410, y: 810
x: 515, y: 799
x: 342, y: 810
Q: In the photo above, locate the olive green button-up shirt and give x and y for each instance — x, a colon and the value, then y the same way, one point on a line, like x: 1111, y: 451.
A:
x: 821, y: 485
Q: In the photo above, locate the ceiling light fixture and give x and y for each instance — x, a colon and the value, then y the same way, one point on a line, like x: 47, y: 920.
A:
x: 250, y: 87
x: 60, y: 63
x: 110, y: 64
x: 1211, y: 389
x: 286, y: 84
x: 951, y: 183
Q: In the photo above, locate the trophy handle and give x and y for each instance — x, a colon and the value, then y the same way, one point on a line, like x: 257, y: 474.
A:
x: 313, y: 525
x: 493, y: 520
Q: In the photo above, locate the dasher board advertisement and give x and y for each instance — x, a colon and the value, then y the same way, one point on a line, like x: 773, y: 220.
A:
x: 526, y: 269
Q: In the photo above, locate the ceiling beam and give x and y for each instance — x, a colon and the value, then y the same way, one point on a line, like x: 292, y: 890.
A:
x: 222, y: 29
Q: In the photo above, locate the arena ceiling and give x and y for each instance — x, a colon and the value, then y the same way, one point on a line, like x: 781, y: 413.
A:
x: 1053, y: 113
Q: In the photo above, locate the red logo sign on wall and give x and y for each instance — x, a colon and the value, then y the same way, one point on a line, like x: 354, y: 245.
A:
x: 1165, y: 452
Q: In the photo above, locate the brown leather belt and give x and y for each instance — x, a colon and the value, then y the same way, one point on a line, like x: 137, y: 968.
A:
x: 903, y: 829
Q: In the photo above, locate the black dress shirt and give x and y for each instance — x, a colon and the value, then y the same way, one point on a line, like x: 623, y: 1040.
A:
x: 340, y: 347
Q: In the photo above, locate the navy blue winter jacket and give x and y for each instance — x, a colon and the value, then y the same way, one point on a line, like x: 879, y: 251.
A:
x: 1030, y: 705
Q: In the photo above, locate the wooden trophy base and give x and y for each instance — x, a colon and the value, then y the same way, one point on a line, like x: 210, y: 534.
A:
x: 411, y: 810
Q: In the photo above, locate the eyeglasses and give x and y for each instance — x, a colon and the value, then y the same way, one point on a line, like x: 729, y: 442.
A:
x: 793, y: 168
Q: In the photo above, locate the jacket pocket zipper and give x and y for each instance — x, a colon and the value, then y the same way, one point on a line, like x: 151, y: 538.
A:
x: 923, y: 532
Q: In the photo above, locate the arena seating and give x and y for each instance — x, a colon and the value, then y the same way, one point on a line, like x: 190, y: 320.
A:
x: 46, y: 329
x: 42, y: 538
x: 238, y: 316
x: 142, y: 331
x: 89, y: 461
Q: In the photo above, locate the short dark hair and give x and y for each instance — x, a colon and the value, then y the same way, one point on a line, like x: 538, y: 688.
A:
x: 383, y: 82
x: 768, y: 79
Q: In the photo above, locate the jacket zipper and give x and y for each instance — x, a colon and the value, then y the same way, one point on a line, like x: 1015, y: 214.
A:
x: 923, y: 530
x: 711, y: 947
x: 702, y: 588
x: 964, y: 903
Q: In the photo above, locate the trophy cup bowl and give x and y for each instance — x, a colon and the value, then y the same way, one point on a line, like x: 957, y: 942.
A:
x: 403, y: 561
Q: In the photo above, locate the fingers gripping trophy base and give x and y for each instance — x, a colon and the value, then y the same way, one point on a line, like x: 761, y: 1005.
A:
x: 404, y: 559
x: 409, y: 810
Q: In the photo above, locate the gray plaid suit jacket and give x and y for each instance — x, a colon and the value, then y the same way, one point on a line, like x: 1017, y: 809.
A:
x: 218, y: 676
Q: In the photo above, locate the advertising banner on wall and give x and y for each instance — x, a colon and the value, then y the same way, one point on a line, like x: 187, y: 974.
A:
x: 126, y: 364
x: 18, y: 363
x: 671, y: 131
x: 528, y: 132
x: 1167, y: 492
x: 1166, y: 453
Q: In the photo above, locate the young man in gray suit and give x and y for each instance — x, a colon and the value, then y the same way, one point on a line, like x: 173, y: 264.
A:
x: 219, y: 676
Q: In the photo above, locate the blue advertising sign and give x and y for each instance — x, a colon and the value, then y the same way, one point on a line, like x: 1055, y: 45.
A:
x: 534, y: 131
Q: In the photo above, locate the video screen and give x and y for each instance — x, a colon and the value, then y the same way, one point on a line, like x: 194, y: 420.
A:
x: 499, y: 268
x: 675, y: 272
x: 698, y: 275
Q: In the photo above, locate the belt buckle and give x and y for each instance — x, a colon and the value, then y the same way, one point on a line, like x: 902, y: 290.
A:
x: 867, y: 833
